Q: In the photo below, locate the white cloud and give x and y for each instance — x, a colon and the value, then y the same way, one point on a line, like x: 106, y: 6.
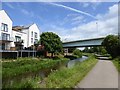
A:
x: 93, y: 5
x: 78, y: 20
x: 73, y: 19
x: 24, y: 11
x: 107, y: 24
x: 85, y: 4
x: 28, y: 13
x: 113, y: 12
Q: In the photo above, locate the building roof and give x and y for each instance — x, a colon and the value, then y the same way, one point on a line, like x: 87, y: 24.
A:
x: 19, y: 28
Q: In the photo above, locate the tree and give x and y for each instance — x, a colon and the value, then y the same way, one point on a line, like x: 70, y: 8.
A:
x: 102, y: 50
x: 70, y: 50
x: 77, y: 52
x: 95, y: 49
x: 91, y: 50
x: 86, y: 50
x: 51, y: 41
x: 112, y: 45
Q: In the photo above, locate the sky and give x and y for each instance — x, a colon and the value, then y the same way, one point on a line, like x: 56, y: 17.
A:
x: 70, y: 20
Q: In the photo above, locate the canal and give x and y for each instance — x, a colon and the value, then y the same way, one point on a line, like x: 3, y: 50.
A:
x: 71, y: 63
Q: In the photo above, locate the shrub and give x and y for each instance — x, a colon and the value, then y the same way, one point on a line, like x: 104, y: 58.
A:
x: 77, y: 52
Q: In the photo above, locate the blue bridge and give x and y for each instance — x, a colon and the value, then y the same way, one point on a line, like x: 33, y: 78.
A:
x: 84, y: 43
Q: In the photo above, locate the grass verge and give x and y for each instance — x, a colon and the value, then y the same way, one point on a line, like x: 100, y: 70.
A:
x: 27, y: 65
x: 29, y: 82
x: 116, y: 62
x: 69, y: 77
x: 14, y: 73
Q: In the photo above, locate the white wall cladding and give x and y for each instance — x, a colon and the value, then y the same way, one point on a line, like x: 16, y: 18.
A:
x: 26, y: 36
x: 33, y: 28
x: 5, y: 19
x: 20, y: 34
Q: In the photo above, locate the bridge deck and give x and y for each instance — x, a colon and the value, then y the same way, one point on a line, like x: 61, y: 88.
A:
x: 83, y: 43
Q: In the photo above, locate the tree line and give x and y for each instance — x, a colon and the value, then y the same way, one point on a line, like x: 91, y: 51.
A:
x: 53, y: 44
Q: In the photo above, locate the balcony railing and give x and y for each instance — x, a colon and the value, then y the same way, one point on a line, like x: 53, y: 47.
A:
x: 18, y: 41
x: 7, y: 51
x: 6, y: 39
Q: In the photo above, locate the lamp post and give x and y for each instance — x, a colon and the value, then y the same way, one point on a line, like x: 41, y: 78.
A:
x: 97, y: 25
x: 97, y: 31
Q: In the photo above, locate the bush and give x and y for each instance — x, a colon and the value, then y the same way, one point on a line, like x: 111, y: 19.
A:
x: 112, y: 45
x: 77, y: 52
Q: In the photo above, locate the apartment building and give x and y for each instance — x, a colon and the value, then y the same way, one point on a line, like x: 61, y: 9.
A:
x: 5, y: 31
x: 16, y: 36
x: 19, y: 38
x: 28, y: 34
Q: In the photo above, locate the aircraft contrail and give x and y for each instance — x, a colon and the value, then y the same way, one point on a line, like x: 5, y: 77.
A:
x: 73, y: 9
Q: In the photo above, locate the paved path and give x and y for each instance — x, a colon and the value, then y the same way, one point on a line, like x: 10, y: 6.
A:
x: 103, y: 75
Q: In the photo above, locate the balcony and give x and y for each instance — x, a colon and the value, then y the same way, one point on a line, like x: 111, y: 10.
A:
x: 18, y: 41
x: 6, y: 39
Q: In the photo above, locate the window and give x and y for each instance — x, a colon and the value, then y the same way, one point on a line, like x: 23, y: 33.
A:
x: 4, y: 27
x: 31, y: 40
x: 35, y: 35
x: 3, y: 46
x: 32, y: 34
x: 5, y: 36
x: 17, y: 38
x: 8, y: 36
x: 36, y: 40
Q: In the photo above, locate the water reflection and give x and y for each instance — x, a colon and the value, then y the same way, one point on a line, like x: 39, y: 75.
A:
x: 71, y: 63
